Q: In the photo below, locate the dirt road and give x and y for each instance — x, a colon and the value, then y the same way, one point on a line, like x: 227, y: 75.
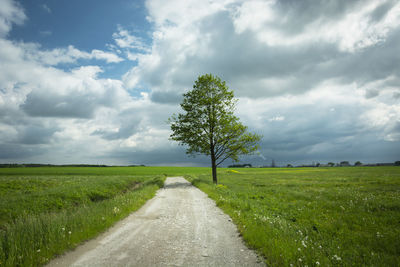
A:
x: 180, y: 226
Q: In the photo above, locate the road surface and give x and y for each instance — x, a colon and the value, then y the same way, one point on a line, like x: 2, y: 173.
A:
x: 180, y: 226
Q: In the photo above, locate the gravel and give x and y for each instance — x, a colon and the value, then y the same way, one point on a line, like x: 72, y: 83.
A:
x: 180, y: 226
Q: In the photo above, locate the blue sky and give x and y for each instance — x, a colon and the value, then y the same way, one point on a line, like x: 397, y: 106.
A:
x: 95, y: 81
x: 87, y: 25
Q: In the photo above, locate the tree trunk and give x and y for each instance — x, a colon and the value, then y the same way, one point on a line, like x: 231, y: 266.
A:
x: 214, y: 167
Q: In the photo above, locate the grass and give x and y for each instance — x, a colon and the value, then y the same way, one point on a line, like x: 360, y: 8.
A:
x: 299, y: 216
x: 313, y: 216
x: 45, y: 211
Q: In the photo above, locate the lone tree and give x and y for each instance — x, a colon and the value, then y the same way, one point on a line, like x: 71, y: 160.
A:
x: 208, y: 125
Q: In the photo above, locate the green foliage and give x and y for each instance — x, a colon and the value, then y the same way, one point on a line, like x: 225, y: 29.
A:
x: 208, y: 125
x: 334, y: 216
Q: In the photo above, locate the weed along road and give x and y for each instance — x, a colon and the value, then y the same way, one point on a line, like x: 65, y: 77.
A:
x: 180, y: 226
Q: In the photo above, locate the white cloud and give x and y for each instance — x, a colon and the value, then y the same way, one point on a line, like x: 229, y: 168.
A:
x: 277, y: 118
x: 45, y: 33
x: 67, y: 55
x: 318, y: 83
x: 107, y: 56
x: 124, y: 39
x: 10, y: 12
x: 253, y: 15
x: 46, y: 8
x: 354, y: 31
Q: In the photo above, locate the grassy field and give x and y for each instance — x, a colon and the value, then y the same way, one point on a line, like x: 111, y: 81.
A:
x: 292, y: 216
x: 47, y: 210
x: 314, y: 216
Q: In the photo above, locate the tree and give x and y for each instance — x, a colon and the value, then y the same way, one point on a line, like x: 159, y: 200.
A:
x: 344, y: 164
x: 208, y: 126
x: 358, y: 163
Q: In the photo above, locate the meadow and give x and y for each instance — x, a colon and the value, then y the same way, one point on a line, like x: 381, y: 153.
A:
x: 345, y: 216
x: 47, y: 210
x: 342, y: 216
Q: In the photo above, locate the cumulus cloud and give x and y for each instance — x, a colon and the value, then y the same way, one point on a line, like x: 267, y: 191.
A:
x: 351, y: 25
x: 320, y: 81
x: 129, y: 44
x: 124, y: 39
x: 10, y: 13
x: 77, y: 95
x: 65, y: 55
x: 227, y: 39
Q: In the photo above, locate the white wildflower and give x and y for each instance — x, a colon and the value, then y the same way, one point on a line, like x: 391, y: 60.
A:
x: 116, y: 210
x: 317, y: 263
x: 69, y: 232
x: 336, y: 257
x: 303, y: 243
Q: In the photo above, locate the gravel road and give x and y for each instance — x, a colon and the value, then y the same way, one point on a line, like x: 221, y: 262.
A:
x: 180, y: 226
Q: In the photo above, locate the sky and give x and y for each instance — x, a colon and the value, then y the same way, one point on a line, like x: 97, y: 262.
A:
x: 94, y: 82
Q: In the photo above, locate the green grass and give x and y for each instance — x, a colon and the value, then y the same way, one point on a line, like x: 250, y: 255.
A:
x: 314, y: 216
x: 47, y: 210
x: 333, y: 216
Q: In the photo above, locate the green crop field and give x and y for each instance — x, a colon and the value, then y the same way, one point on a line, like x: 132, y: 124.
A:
x: 47, y: 210
x: 347, y: 216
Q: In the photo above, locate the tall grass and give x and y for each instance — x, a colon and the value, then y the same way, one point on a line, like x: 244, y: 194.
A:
x: 44, y: 215
x: 315, y: 216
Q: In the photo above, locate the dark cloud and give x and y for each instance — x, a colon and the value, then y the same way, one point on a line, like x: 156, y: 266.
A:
x: 299, y: 14
x: 75, y: 104
x: 312, y: 95
x: 242, y: 60
x: 370, y: 64
x: 254, y: 68
x: 12, y: 151
x: 166, y: 97
x: 371, y: 93
x: 125, y: 130
x: 45, y: 104
x: 174, y: 155
x: 33, y: 134
x: 381, y: 11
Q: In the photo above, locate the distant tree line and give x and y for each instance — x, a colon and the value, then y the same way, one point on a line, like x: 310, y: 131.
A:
x: 240, y: 166
x: 346, y: 164
x: 18, y: 165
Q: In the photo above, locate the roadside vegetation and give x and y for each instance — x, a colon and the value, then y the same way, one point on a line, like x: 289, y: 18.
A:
x: 348, y: 216
x: 47, y: 210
